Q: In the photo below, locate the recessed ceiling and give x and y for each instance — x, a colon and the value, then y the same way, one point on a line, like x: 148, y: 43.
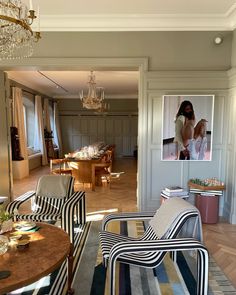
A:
x: 68, y: 84
x: 102, y: 15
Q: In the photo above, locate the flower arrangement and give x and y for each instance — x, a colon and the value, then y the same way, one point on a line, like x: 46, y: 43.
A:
x: 6, y: 222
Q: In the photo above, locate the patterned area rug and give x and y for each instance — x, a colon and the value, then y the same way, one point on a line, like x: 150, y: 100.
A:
x: 166, y: 279
x: 90, y: 276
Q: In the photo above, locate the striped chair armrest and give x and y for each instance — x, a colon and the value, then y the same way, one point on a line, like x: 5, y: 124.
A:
x: 126, y: 216
x: 126, y: 248
x: 13, y: 206
x: 76, y: 200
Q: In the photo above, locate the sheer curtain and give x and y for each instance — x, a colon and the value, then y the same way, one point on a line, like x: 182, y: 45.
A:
x: 39, y: 142
x: 18, y: 120
x: 57, y: 129
x: 47, y: 124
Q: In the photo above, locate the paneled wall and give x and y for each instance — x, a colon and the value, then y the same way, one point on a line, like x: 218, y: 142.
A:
x: 79, y: 131
x: 162, y: 173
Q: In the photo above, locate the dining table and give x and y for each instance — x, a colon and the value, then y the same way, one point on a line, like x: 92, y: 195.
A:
x: 82, y: 169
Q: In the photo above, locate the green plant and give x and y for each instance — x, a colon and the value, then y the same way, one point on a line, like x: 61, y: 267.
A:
x: 4, y: 216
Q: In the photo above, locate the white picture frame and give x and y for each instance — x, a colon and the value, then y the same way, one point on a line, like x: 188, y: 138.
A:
x: 194, y: 149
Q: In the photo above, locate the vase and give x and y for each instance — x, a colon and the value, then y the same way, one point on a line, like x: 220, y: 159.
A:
x: 6, y: 226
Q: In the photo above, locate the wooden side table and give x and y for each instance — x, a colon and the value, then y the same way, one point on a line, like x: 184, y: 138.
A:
x: 47, y: 250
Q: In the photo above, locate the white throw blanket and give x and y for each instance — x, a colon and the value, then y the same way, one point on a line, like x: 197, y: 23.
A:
x: 53, y: 186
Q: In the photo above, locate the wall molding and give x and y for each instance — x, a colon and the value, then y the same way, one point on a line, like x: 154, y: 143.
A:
x: 139, y: 22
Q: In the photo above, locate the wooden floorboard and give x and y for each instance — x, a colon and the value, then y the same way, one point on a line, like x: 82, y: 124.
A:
x: 219, y: 238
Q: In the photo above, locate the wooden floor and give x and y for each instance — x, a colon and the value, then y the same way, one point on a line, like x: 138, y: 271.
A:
x: 220, y: 239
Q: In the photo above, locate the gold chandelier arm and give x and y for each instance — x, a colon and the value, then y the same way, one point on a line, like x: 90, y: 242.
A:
x: 22, y: 23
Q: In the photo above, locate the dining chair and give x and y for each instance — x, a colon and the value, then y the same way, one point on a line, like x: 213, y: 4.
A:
x: 54, y: 200
x: 60, y: 166
x: 176, y: 226
x: 101, y: 172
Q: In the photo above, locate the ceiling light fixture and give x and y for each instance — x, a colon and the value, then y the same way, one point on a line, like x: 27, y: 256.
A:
x: 93, y: 100
x: 103, y: 110
x: 16, y: 34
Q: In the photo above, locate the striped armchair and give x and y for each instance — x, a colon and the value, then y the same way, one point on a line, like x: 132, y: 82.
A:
x: 176, y: 226
x: 53, y: 200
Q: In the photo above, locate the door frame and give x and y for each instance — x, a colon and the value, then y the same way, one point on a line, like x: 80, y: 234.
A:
x: 102, y: 64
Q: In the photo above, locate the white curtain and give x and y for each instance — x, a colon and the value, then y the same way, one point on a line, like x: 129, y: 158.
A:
x: 18, y: 120
x: 47, y: 124
x: 39, y: 142
x: 57, y: 129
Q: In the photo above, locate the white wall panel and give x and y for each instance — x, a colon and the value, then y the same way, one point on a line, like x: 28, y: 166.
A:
x: 155, y: 118
x: 162, y: 173
x: 219, y: 126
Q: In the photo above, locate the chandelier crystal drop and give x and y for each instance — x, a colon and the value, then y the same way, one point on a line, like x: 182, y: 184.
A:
x: 95, y: 96
x: 16, y: 35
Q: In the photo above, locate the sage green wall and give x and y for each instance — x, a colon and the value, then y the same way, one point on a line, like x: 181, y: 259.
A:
x: 233, y: 55
x: 115, y: 105
x: 165, y: 50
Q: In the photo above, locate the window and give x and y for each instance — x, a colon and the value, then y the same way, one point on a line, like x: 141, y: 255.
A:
x: 29, y: 117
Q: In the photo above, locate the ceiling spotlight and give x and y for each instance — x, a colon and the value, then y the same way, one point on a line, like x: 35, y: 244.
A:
x: 218, y: 40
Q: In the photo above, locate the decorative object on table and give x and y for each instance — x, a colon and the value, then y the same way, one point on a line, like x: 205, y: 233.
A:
x: 6, y: 222
x: 174, y: 188
x: 25, y: 225
x: 93, y: 100
x: 207, y: 192
x: 174, y: 191
x: 17, y: 36
x: 4, y: 274
x: 209, y: 186
x: 3, y: 244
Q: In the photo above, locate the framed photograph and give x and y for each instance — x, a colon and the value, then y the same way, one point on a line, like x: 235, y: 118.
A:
x: 187, y: 127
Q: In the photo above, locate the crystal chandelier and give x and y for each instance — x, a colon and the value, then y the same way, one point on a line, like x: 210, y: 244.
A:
x: 16, y: 35
x: 93, y: 100
x: 103, y: 110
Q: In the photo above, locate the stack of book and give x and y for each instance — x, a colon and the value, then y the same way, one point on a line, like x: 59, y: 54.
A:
x: 174, y: 191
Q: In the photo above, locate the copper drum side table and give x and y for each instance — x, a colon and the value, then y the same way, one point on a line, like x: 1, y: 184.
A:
x: 47, y: 250
x: 207, y: 200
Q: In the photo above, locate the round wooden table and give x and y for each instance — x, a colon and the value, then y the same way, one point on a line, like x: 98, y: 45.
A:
x: 48, y: 248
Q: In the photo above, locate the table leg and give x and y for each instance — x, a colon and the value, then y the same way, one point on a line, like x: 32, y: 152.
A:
x: 70, y: 261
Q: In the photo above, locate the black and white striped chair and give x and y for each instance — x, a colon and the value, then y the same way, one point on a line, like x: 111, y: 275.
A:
x: 171, y: 229
x: 54, y: 200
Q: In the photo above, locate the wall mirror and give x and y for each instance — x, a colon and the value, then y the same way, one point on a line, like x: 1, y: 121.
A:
x: 187, y: 127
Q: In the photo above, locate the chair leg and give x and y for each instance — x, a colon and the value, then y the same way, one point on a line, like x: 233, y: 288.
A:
x: 112, y: 274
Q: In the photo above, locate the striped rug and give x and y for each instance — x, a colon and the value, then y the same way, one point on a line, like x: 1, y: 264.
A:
x: 166, y: 279
x: 90, y: 277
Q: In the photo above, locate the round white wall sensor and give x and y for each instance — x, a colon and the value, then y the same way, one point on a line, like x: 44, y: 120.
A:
x: 218, y: 40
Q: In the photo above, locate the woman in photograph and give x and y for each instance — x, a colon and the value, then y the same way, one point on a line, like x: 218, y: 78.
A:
x: 185, y: 110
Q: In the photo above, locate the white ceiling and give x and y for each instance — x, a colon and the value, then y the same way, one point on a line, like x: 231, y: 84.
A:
x: 68, y: 84
x: 123, y: 15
